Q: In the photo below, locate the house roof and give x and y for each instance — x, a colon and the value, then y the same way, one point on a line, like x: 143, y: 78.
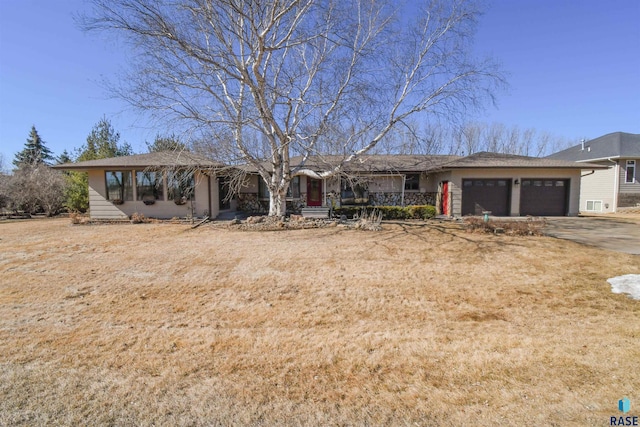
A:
x: 372, y: 163
x: 367, y: 164
x: 497, y: 160
x: 611, y: 146
x: 157, y: 159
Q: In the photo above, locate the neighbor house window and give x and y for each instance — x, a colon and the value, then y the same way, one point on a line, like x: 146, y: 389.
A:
x: 119, y: 185
x: 630, y: 176
x: 149, y: 186
x: 594, y: 205
x: 412, y: 182
x: 181, y: 185
x: 292, y: 192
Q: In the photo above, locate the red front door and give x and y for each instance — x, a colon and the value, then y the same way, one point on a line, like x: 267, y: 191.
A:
x: 314, y: 192
x: 445, y: 198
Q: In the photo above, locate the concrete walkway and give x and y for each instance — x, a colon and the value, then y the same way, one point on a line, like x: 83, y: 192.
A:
x: 605, y: 233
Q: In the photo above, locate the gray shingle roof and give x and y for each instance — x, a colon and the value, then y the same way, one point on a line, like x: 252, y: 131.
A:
x: 613, y: 145
x: 369, y: 163
x: 496, y: 160
x: 157, y: 159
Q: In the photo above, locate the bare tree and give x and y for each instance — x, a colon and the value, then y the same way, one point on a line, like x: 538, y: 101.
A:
x: 35, y: 188
x: 263, y: 81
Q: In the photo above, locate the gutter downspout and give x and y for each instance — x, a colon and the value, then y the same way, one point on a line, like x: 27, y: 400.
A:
x: 615, y: 184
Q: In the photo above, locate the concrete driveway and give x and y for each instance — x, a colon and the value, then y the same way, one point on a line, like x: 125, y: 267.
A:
x: 605, y: 233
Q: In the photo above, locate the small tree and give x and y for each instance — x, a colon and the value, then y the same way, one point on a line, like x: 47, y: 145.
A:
x: 36, y: 188
x: 35, y: 151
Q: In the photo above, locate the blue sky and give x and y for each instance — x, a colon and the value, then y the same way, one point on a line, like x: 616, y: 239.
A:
x: 573, y: 69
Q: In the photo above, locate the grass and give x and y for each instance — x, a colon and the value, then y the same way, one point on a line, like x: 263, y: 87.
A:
x: 420, y: 323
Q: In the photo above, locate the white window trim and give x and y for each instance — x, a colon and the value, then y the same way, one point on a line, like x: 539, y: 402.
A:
x: 594, y: 202
x: 633, y: 177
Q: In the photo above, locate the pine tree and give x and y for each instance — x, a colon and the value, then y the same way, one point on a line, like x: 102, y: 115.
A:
x: 102, y: 143
x: 35, y: 152
x: 166, y: 143
x: 65, y: 157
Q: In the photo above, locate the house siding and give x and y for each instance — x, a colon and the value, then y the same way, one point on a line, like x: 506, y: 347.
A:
x: 598, y: 186
x: 629, y: 193
x: 102, y: 209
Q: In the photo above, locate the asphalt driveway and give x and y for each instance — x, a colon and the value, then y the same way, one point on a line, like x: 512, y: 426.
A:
x: 605, y: 233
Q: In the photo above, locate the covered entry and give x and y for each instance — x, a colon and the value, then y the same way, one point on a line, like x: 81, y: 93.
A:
x: 544, y: 197
x: 480, y: 195
x: 314, y: 192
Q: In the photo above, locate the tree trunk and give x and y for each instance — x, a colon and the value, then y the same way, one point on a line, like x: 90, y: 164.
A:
x: 277, y: 203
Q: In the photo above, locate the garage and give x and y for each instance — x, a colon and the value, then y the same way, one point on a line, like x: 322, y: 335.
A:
x: 544, y: 197
x: 480, y: 195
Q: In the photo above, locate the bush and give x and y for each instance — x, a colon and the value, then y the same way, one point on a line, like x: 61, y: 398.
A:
x: 138, y: 218
x: 389, y: 212
x: 530, y: 227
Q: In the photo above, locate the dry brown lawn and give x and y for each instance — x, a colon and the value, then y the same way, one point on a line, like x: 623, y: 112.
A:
x: 419, y: 324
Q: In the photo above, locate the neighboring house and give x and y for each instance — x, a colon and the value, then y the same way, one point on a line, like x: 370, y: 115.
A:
x: 506, y: 185
x: 158, y: 185
x: 617, y: 184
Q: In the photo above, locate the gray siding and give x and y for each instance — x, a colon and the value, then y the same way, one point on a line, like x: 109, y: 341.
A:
x: 629, y: 188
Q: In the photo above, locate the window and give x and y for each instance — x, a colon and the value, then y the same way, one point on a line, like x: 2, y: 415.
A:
x: 292, y: 192
x: 149, y: 186
x: 354, y: 191
x: 594, y: 205
x: 119, y: 185
x: 630, y: 175
x: 294, y: 187
x: 412, y: 182
x: 181, y: 185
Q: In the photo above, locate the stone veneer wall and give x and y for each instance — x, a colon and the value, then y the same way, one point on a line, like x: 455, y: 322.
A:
x: 250, y: 203
x: 628, y: 200
x: 395, y: 199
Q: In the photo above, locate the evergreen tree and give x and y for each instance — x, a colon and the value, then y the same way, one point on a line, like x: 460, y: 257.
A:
x: 65, y: 157
x: 35, y: 151
x: 102, y: 143
x: 166, y: 143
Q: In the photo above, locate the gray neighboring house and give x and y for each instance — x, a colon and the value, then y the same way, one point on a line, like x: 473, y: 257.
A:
x: 618, y: 186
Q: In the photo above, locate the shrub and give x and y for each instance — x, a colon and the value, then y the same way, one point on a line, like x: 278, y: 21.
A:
x: 389, y: 212
x: 530, y: 227
x: 138, y: 218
